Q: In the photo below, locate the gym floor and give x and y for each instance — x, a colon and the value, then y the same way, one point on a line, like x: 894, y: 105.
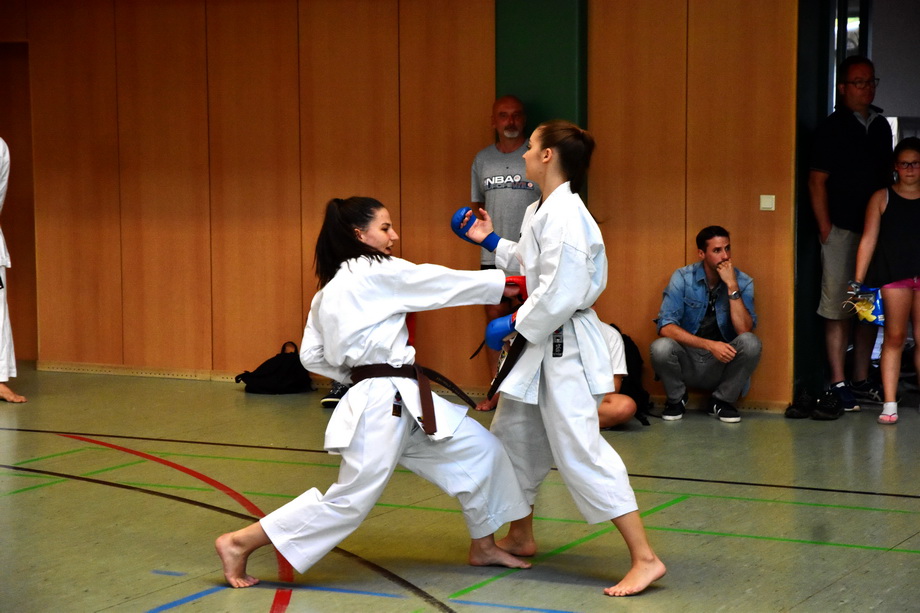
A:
x: 113, y: 488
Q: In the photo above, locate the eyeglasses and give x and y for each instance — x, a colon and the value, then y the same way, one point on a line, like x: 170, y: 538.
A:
x: 863, y: 84
x: 906, y: 165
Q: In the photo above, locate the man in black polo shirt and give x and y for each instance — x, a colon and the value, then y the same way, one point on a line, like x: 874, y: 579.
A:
x: 850, y: 161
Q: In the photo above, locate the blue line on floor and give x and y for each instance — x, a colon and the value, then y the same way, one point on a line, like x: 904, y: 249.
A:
x: 277, y: 585
x: 187, y: 599
x: 292, y: 586
x: 477, y: 603
x: 168, y: 573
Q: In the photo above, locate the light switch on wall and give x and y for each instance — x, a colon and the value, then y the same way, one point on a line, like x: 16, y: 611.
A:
x: 767, y: 203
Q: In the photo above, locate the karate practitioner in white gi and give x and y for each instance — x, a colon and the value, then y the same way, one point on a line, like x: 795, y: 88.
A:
x: 7, y: 353
x: 358, y: 318
x: 551, y: 395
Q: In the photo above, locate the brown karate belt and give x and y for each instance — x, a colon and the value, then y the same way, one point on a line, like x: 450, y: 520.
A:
x: 424, y: 376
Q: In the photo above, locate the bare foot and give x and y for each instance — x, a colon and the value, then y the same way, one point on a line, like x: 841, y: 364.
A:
x: 9, y: 395
x: 488, y: 405
x: 512, y: 545
x: 233, y: 558
x: 485, y: 552
x: 639, y: 577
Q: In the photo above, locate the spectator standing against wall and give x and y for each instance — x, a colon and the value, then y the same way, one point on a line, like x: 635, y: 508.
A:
x: 850, y: 161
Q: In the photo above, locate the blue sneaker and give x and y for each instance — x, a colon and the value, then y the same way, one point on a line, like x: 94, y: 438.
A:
x: 845, y: 396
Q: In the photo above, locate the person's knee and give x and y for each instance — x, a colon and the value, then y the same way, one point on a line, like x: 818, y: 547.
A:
x: 895, y: 336
x: 748, y: 344
x: 616, y: 409
x: 662, y: 350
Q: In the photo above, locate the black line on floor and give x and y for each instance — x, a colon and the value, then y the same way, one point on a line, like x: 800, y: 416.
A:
x: 323, y: 451
x: 386, y: 574
x: 778, y: 486
x: 164, y: 440
x: 132, y: 488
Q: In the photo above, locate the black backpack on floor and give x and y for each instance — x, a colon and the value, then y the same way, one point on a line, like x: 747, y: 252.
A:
x: 281, y: 374
x: 632, y: 382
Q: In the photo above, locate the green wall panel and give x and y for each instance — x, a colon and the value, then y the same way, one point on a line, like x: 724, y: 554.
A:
x: 541, y: 57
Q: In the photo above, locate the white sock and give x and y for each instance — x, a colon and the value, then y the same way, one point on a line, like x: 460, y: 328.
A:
x: 890, y: 408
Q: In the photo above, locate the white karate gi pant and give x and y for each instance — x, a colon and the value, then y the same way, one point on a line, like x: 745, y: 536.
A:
x: 471, y: 465
x: 7, y: 354
x: 564, y: 426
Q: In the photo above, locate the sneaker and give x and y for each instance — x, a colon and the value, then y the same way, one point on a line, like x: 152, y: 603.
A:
x: 867, y: 392
x: 803, y: 406
x: 827, y: 407
x: 845, y: 396
x: 331, y: 400
x: 723, y: 411
x: 674, y: 410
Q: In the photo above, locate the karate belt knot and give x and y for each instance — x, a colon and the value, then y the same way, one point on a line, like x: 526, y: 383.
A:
x: 424, y: 376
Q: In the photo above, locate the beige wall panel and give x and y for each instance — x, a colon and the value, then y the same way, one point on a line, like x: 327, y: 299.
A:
x: 447, y: 86
x: 740, y: 144
x: 18, y: 220
x: 78, y: 237
x: 13, y: 21
x: 636, y: 103
x: 349, y: 84
x: 255, y: 180
x: 163, y: 149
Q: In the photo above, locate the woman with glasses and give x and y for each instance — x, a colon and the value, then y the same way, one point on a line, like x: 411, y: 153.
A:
x: 889, y: 258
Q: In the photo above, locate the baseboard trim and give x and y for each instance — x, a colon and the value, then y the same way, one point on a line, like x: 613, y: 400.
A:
x: 131, y: 371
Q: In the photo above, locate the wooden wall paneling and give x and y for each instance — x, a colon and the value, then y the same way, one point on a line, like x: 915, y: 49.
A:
x: 18, y: 220
x: 741, y: 144
x: 13, y: 22
x: 163, y: 150
x: 349, y: 106
x: 78, y: 229
x: 255, y: 180
x: 636, y: 187
x: 447, y: 77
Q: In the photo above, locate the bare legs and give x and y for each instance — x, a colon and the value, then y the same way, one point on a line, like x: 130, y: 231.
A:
x: 9, y: 395
x: 484, y: 552
x: 645, y: 566
x: 615, y: 409
x: 837, y: 338
x: 234, y: 549
x: 901, y: 305
x: 520, y: 540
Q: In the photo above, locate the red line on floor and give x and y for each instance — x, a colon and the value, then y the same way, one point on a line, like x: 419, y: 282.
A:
x: 285, y: 571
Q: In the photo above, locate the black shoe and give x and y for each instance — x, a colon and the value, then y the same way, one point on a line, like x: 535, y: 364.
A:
x: 723, y: 411
x: 828, y: 407
x: 867, y: 392
x: 673, y: 410
x: 331, y: 400
x: 803, y: 406
x: 845, y: 396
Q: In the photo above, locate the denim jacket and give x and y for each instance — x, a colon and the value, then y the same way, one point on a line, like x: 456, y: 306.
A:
x: 687, y: 297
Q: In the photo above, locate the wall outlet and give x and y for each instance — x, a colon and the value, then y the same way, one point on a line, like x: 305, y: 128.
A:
x: 767, y: 203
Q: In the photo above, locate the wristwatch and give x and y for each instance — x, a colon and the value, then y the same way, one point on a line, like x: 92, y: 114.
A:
x: 735, y: 295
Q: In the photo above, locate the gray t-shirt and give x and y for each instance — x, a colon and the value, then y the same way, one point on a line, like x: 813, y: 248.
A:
x: 497, y: 179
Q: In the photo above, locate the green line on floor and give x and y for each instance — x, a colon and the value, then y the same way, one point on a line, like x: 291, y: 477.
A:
x: 665, y: 505
x: 781, y: 539
x: 52, y: 456
x: 536, y: 559
x: 35, y: 487
x: 777, y: 501
x: 111, y: 468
